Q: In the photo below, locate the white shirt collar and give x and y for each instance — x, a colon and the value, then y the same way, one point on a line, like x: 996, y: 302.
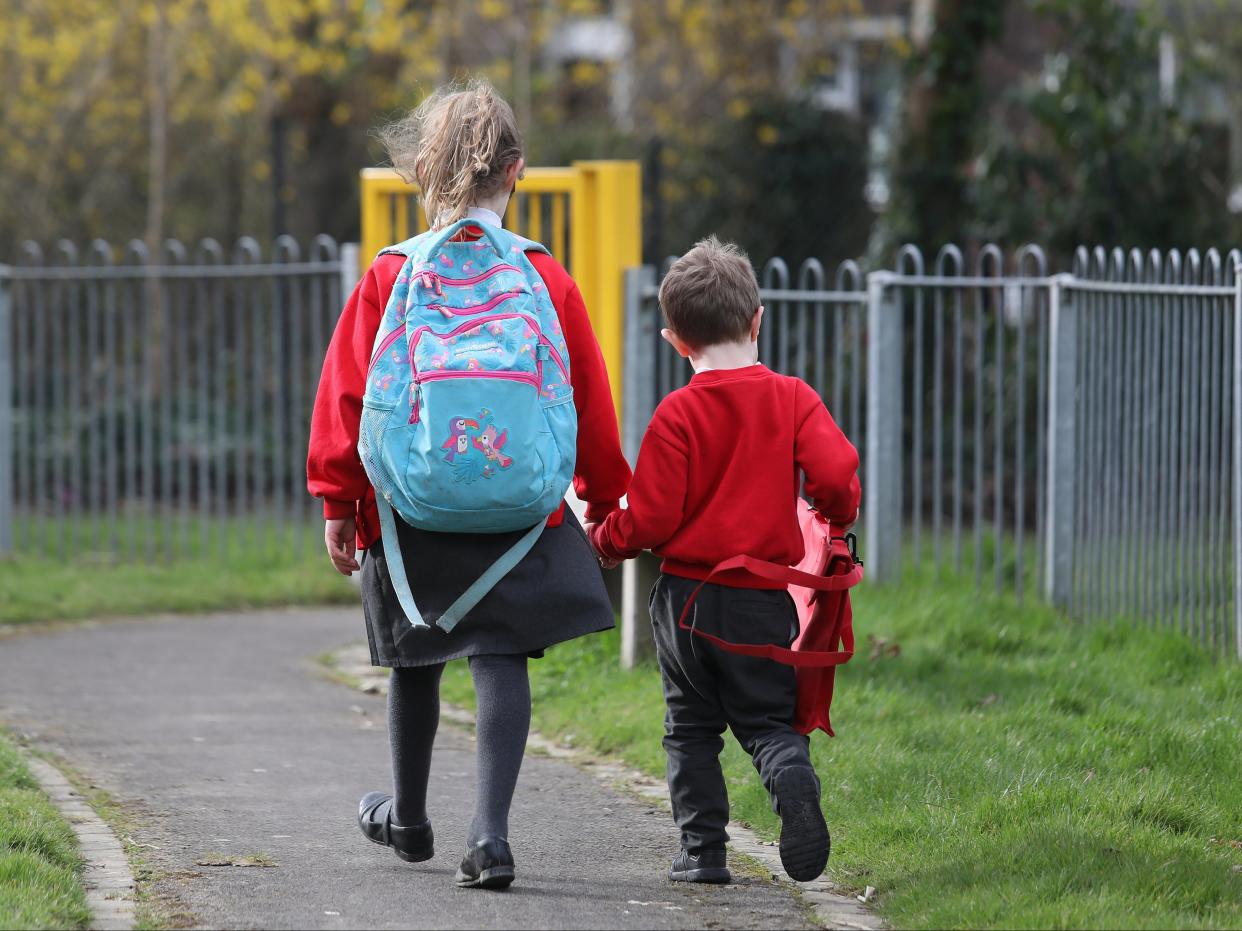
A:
x: 489, y: 217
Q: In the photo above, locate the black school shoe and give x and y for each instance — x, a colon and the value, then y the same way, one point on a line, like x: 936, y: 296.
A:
x: 413, y: 844
x: 486, y: 865
x: 707, y: 867
x: 804, y: 835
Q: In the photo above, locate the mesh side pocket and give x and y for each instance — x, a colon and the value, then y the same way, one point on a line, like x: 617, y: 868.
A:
x: 370, y: 435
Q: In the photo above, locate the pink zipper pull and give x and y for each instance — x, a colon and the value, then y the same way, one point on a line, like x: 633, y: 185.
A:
x: 414, y: 402
x: 431, y: 281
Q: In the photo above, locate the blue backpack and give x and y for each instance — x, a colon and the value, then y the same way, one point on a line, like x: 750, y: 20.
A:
x: 468, y: 422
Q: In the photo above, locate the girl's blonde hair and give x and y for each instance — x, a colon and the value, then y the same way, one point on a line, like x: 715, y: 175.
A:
x: 457, y: 146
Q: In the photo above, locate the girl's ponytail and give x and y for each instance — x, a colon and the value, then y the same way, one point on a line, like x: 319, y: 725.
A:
x: 457, y: 145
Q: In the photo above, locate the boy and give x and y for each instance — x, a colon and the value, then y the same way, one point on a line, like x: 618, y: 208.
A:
x: 717, y: 476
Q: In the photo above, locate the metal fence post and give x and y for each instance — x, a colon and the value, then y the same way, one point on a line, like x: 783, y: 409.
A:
x: 6, y: 418
x: 638, y: 404
x: 351, y: 270
x: 639, y: 388
x: 1237, y: 459
x: 883, y: 491
x: 1062, y: 409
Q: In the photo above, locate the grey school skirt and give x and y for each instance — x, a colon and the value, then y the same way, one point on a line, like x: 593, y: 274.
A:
x: 555, y: 594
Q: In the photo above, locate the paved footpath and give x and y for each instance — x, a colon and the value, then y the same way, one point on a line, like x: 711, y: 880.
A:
x: 221, y: 737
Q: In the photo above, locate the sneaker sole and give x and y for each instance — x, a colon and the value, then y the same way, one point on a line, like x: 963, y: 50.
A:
x: 498, y: 877
x: 716, y: 875
x: 805, y: 842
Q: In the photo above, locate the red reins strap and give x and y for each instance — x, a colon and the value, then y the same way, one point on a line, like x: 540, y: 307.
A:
x: 789, y: 576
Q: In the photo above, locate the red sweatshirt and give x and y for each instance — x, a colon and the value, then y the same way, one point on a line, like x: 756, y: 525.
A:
x: 717, y: 475
x: 333, y: 470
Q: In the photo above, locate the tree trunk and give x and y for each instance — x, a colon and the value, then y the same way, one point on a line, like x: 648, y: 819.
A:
x: 945, y: 104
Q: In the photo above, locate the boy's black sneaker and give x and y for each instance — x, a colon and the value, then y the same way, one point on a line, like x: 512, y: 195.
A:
x: 804, y: 835
x: 486, y: 865
x: 707, y: 867
x: 413, y: 844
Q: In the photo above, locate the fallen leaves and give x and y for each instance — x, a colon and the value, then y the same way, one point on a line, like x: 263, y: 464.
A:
x: 883, y: 647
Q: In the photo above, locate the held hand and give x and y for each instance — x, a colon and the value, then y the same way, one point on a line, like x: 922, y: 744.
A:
x: 339, y: 538
x: 604, y: 561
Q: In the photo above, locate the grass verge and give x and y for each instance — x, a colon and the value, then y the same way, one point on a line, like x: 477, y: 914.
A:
x: 40, y: 878
x: 154, y: 911
x: 34, y: 589
x: 1009, y: 768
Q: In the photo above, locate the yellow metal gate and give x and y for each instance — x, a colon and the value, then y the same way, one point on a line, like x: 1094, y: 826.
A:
x: 589, y: 215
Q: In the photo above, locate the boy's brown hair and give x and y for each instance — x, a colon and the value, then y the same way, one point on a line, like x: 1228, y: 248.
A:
x: 710, y: 295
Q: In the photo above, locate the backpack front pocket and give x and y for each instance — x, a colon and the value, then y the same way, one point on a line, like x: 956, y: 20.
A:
x: 474, y: 447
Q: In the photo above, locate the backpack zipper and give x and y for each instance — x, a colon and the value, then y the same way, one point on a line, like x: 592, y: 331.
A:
x: 512, y: 376
x: 473, y: 324
x: 417, y: 378
x: 457, y: 330
x: 433, y: 279
x: 383, y: 347
x: 535, y: 381
x: 472, y: 309
x: 492, y: 304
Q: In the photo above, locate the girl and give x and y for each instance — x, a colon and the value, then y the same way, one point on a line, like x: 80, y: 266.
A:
x: 463, y: 148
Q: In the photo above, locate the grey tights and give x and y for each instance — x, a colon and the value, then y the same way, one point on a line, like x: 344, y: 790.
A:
x: 502, y: 687
x: 413, y: 716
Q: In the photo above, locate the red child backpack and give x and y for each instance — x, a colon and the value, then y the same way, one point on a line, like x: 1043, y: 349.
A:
x: 819, y: 585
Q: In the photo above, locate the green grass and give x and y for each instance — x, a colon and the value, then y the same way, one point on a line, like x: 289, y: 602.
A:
x: 1008, y: 769
x: 40, y: 885
x: 249, y: 572
x: 156, y: 906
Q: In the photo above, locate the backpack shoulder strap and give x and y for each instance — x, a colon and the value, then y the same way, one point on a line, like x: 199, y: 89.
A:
x: 789, y: 576
x: 428, y: 243
x: 529, y: 245
x: 415, y: 245
x: 471, y: 596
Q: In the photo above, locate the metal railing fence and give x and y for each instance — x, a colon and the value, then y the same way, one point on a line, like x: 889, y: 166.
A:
x: 965, y: 349
x: 159, y: 409
x: 1075, y: 432
x: 1148, y: 443
x: 814, y: 328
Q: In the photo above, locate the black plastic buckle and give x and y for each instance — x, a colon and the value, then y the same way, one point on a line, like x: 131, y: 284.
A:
x: 851, y: 544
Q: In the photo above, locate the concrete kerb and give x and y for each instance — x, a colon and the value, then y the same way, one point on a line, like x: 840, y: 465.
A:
x: 109, y: 882
x: 832, y: 909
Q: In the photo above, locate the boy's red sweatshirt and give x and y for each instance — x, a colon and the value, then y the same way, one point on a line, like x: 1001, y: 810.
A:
x: 717, y: 475
x: 333, y: 470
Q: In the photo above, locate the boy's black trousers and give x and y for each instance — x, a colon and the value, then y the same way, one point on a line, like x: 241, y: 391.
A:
x: 706, y: 689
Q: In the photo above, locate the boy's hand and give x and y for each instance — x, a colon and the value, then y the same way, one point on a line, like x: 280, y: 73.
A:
x: 339, y: 537
x: 604, y: 561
